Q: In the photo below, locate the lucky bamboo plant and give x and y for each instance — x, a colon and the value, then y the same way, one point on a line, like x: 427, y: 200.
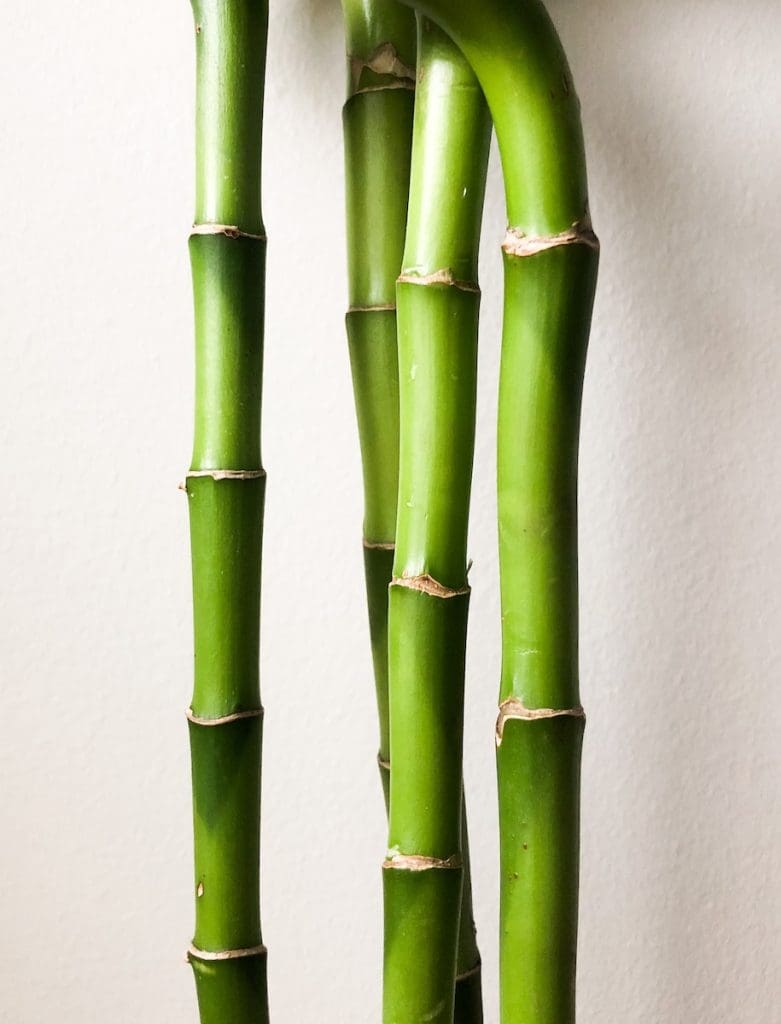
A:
x: 425, y: 80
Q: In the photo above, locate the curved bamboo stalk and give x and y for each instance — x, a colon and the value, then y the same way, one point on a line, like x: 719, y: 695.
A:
x: 225, y: 488
x: 438, y: 303
x: 551, y: 257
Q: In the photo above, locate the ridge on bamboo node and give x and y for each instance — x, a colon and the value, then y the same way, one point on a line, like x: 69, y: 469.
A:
x: 402, y: 83
x: 236, y: 716
x: 387, y: 307
x: 514, y: 709
x: 517, y: 243
x: 471, y: 972
x: 444, y: 277
x: 227, y: 474
x: 229, y: 230
x: 428, y: 585
x: 379, y: 545
x: 193, y: 953
x: 419, y: 862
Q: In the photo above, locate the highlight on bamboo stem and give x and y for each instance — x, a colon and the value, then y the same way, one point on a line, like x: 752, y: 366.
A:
x: 438, y: 303
x: 225, y: 489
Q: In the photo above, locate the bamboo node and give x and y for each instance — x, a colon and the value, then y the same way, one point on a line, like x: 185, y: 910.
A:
x: 387, y: 307
x: 236, y: 716
x: 379, y: 545
x: 227, y: 474
x: 428, y: 585
x: 515, y: 710
x: 418, y: 862
x: 516, y: 243
x: 384, y: 60
x: 193, y: 953
x: 229, y: 230
x: 471, y: 972
x: 402, y: 83
x: 444, y: 277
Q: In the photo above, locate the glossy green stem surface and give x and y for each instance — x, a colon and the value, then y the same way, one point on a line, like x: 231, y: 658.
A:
x: 550, y: 275
x: 547, y: 315
x: 520, y: 63
x: 382, y: 44
x: 438, y: 302
x: 225, y: 490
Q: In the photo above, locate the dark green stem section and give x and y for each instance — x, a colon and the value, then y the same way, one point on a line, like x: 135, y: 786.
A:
x: 226, y: 489
x: 550, y: 275
x: 381, y: 48
x: 438, y: 303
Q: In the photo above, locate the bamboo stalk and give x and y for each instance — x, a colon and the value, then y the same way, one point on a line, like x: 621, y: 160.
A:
x: 225, y: 488
x: 438, y: 303
x: 378, y: 116
x: 551, y: 257
x: 377, y: 119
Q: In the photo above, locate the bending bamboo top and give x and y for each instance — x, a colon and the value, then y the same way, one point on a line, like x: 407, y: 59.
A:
x: 516, y: 54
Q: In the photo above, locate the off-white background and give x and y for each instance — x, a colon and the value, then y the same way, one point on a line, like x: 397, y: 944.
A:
x: 681, y: 549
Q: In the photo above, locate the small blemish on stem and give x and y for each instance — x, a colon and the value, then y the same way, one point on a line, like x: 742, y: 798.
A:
x: 199, y: 890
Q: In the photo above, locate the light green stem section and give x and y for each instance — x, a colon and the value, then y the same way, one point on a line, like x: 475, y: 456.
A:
x: 438, y: 303
x: 225, y: 489
x: 549, y: 287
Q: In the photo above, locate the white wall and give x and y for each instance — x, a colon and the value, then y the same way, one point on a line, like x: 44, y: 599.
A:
x: 681, y: 484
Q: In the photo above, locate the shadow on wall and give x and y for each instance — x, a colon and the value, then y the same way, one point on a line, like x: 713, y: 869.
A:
x: 677, y: 521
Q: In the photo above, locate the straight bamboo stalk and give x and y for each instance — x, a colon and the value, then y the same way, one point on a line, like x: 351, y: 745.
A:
x: 438, y: 304
x: 225, y: 489
x: 378, y: 116
x: 551, y: 256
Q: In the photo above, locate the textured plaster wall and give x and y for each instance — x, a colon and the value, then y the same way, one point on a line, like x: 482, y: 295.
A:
x: 681, y: 548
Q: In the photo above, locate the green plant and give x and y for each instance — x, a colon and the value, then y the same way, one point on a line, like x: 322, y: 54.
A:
x: 550, y: 255
x: 414, y: 206
x: 225, y: 489
x: 438, y: 303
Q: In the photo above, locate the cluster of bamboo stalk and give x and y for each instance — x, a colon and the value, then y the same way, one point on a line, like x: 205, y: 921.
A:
x: 426, y: 81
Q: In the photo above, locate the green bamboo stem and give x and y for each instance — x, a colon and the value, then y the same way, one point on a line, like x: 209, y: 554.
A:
x: 438, y: 303
x: 378, y: 116
x: 381, y: 46
x: 225, y: 489
x: 551, y: 257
